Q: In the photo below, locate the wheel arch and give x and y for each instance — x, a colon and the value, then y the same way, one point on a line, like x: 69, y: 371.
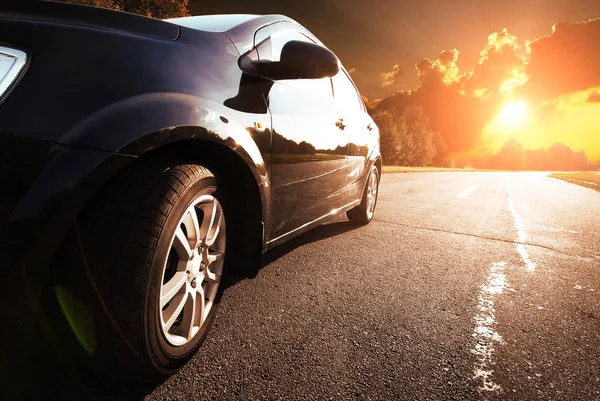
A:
x: 242, y: 191
x: 56, y: 210
x: 242, y: 177
x: 379, y: 166
x: 182, y: 127
x: 100, y: 147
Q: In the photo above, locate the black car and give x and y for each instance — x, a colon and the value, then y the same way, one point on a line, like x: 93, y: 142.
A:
x: 141, y: 159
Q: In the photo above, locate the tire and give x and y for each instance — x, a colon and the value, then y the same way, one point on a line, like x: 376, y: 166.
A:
x: 154, y: 248
x: 364, y: 212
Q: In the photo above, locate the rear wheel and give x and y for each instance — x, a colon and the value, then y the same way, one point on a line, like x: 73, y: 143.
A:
x: 154, y: 249
x: 364, y: 212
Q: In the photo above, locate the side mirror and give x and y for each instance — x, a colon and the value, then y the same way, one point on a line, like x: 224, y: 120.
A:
x: 301, y: 60
x: 298, y: 60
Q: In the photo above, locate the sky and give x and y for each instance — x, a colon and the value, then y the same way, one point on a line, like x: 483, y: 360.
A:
x: 439, y: 54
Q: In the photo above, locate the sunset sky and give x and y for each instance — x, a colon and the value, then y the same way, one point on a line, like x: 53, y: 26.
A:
x: 480, y: 85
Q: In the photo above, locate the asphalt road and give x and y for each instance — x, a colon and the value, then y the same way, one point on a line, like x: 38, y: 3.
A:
x: 465, y: 286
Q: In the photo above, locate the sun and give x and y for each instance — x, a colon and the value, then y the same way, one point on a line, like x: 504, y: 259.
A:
x: 512, y: 115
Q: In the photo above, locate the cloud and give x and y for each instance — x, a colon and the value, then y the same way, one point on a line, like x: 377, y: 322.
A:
x: 442, y: 69
x: 567, y: 60
x: 500, y: 68
x: 540, y: 72
x: 460, y: 104
x: 391, y: 78
x: 594, y: 97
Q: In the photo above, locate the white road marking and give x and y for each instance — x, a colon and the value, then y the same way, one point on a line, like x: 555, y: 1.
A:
x: 521, y: 234
x: 560, y: 230
x: 588, y: 288
x: 485, y: 332
x: 587, y: 182
x: 588, y: 260
x: 467, y: 192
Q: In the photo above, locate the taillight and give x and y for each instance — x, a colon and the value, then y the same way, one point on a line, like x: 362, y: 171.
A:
x: 12, y: 62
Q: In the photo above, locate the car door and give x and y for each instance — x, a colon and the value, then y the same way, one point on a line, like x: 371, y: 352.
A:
x: 308, y: 151
x: 359, y: 129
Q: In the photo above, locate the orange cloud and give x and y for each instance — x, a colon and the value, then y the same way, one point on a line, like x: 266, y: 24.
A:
x: 442, y: 69
x: 391, y: 78
x: 567, y: 60
x: 460, y: 104
x: 555, y: 76
x: 500, y: 68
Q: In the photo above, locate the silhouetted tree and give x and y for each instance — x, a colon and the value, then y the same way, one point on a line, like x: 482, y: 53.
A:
x: 408, y: 140
x: 388, y: 136
x: 537, y: 159
x: 416, y: 138
x: 511, y: 156
x: 442, y: 157
x: 564, y: 158
x: 151, y: 8
x: 306, y: 148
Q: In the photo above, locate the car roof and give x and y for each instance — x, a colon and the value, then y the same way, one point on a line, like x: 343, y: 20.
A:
x: 213, y: 23
x: 238, y: 27
x: 226, y: 22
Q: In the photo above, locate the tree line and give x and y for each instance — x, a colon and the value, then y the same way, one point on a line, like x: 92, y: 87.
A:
x: 512, y: 156
x: 160, y: 9
x: 407, y: 139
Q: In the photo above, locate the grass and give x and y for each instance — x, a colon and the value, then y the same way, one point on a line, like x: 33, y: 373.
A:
x: 589, y: 179
x: 403, y: 169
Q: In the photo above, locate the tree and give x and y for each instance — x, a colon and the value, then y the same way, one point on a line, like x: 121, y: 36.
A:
x: 417, y: 138
x: 442, y: 157
x: 511, y: 156
x: 408, y: 140
x: 582, y: 162
x: 389, y: 139
x: 306, y: 148
x: 151, y: 8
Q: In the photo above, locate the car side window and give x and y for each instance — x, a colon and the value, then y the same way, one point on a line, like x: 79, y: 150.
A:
x: 345, y: 93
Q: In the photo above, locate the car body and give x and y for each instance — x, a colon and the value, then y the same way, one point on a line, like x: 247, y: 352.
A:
x: 99, y: 91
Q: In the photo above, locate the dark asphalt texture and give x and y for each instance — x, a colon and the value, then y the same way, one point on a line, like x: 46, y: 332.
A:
x: 396, y: 309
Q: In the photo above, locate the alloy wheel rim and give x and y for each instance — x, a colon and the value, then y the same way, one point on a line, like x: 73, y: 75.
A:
x: 372, y: 194
x: 192, y: 270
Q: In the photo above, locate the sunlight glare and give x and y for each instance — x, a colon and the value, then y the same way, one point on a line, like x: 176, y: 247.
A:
x: 512, y: 115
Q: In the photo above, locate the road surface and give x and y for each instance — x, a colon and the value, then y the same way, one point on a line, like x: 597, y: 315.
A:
x: 467, y: 285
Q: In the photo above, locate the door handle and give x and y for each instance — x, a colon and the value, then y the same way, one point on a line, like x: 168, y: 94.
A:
x: 340, y: 124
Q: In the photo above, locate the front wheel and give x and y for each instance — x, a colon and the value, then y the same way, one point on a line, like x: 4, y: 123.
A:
x: 364, y: 212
